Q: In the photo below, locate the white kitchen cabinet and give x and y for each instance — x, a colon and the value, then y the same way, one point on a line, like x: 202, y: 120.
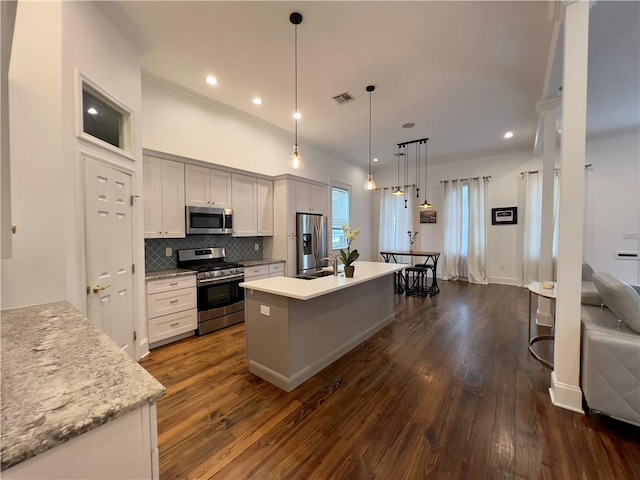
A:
x: 276, y: 269
x: 311, y: 198
x: 265, y: 207
x: 164, y: 205
x: 171, y: 308
x: 256, y: 272
x: 207, y: 187
x: 253, y: 206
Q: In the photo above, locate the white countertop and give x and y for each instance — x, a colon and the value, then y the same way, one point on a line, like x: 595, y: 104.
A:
x: 307, y: 289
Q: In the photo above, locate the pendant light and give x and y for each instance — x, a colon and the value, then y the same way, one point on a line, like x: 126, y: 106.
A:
x: 426, y: 204
x: 397, y: 191
x: 370, y: 184
x: 295, y: 160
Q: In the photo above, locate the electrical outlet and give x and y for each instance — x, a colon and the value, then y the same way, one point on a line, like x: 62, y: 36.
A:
x: 168, y: 251
x: 265, y: 310
x: 256, y: 246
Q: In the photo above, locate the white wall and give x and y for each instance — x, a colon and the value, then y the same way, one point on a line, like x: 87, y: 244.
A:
x: 52, y: 41
x: 187, y: 125
x: 613, y: 205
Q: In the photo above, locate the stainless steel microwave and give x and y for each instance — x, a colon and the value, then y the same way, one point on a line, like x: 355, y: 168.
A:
x: 208, y: 221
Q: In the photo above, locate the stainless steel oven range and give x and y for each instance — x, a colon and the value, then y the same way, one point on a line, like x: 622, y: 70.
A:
x: 220, y: 298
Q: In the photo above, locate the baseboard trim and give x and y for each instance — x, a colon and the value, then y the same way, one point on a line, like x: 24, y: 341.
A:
x: 565, y: 396
x: 289, y: 383
x: 504, y: 280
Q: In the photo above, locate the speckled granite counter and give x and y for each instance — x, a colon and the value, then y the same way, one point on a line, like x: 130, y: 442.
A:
x: 173, y: 272
x: 264, y: 261
x: 62, y: 377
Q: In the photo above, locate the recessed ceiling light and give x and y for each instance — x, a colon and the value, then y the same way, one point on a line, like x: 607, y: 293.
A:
x: 92, y: 111
x: 212, y: 80
x: 297, y: 116
x: 257, y: 101
x: 409, y: 125
x: 508, y: 135
x: 375, y: 159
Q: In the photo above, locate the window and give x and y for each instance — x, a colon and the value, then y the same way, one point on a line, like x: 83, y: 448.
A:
x: 340, y: 200
x: 100, y: 120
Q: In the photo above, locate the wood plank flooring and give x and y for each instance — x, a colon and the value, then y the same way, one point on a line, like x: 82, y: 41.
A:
x: 448, y: 390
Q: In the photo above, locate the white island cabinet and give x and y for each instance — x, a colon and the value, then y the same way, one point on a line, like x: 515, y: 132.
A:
x: 296, y: 327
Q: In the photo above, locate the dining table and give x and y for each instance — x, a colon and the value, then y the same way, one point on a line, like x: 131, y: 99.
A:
x: 430, y: 261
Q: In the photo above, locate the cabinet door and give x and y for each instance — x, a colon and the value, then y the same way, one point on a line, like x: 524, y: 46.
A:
x: 152, y: 191
x: 220, y: 188
x: 303, y: 195
x: 318, y: 199
x: 244, y: 197
x: 173, y: 211
x: 292, y: 244
x: 197, y: 186
x: 265, y: 208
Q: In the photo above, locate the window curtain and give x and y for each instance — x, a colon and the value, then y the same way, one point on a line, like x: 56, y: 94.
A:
x: 476, y: 255
x: 453, y: 216
x: 532, y: 220
x: 396, y: 220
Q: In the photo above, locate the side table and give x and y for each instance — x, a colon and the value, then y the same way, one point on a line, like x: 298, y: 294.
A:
x: 536, y: 288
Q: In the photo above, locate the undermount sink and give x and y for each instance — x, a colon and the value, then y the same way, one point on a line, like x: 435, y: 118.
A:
x: 313, y: 275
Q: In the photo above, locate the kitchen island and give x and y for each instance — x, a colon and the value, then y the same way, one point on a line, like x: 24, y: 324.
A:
x: 295, y: 327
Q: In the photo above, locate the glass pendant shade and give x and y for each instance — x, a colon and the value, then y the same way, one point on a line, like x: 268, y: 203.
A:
x: 295, y: 160
x: 369, y: 184
x: 397, y: 192
x: 426, y: 205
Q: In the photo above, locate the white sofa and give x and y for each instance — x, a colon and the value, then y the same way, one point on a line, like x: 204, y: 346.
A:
x: 610, y: 358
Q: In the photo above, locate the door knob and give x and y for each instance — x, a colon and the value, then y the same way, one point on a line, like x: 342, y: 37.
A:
x: 98, y: 288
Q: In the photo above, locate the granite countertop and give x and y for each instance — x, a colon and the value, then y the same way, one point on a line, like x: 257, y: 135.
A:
x: 300, y: 289
x: 170, y: 273
x: 61, y: 377
x: 264, y: 261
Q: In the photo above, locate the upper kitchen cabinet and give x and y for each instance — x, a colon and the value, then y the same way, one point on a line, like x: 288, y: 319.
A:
x: 164, y: 206
x: 311, y: 198
x: 206, y: 187
x: 253, y: 206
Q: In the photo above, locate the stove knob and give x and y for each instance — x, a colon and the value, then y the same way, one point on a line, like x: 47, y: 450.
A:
x: 233, y: 270
x: 217, y: 273
x: 209, y: 274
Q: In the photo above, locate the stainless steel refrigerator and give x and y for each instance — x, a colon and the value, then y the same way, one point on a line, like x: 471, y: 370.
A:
x: 311, y: 230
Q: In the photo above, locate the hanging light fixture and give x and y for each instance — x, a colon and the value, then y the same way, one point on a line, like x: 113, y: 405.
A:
x: 426, y: 204
x: 370, y: 184
x: 397, y: 191
x: 295, y: 160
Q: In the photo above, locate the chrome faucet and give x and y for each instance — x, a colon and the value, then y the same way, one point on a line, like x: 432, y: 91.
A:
x: 333, y: 260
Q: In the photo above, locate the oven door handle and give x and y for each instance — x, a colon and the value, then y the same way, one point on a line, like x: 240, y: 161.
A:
x: 210, y: 281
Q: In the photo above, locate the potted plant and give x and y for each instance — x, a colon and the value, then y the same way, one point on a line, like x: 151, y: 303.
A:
x: 349, y: 257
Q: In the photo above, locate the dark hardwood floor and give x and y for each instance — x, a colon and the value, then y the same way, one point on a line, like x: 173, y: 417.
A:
x: 448, y: 390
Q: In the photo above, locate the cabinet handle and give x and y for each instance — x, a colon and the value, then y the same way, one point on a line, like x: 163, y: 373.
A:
x: 175, y: 324
x: 160, y: 233
x: 173, y: 301
x: 173, y: 283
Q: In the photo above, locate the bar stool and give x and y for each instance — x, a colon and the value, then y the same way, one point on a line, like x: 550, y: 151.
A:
x: 432, y: 289
x: 416, y: 281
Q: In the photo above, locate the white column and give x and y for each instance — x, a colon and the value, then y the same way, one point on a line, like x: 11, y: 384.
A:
x: 548, y: 108
x: 565, y: 388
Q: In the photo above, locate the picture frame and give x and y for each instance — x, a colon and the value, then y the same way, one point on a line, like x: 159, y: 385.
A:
x: 504, y: 216
x: 428, y: 216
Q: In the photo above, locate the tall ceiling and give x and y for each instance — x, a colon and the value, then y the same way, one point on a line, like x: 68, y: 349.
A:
x: 463, y: 72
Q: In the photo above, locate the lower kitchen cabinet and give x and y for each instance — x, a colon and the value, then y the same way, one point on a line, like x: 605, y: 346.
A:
x: 256, y: 273
x: 276, y: 269
x: 171, y: 309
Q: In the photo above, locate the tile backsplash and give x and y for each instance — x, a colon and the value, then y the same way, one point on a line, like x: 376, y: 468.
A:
x: 236, y: 248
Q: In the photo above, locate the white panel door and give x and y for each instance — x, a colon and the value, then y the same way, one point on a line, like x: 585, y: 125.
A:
x: 109, y: 252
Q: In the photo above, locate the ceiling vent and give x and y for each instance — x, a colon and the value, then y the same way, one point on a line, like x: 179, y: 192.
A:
x: 344, y: 98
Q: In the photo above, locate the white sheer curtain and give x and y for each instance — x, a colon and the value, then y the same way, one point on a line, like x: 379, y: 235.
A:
x: 453, y: 214
x: 532, y: 221
x: 476, y: 256
x: 395, y: 220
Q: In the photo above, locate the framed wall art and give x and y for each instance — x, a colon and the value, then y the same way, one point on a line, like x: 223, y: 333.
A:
x: 504, y: 216
x: 428, y: 216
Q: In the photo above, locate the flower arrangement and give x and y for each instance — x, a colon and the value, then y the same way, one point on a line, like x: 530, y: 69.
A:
x: 412, y: 238
x: 349, y: 257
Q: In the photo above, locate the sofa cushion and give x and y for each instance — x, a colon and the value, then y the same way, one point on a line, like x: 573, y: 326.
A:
x: 587, y: 272
x: 622, y: 300
x: 590, y: 294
